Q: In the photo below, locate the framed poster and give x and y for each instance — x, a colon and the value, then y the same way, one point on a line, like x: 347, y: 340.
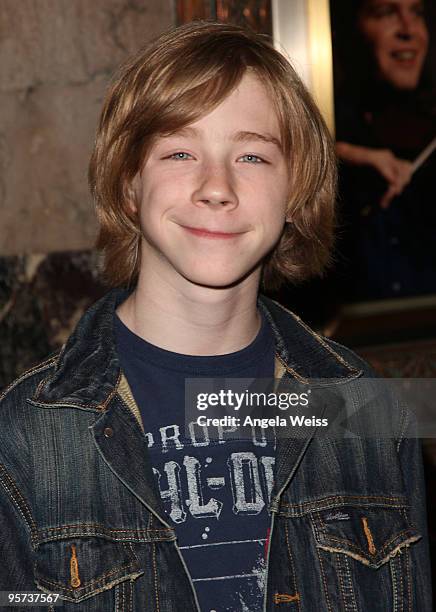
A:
x: 370, y: 66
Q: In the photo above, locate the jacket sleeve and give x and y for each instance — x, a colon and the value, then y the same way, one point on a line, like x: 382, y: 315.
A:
x: 17, y: 525
x: 410, y: 456
x: 16, y: 552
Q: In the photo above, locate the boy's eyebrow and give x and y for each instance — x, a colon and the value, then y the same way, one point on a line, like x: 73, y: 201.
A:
x: 244, y: 136
x: 241, y: 136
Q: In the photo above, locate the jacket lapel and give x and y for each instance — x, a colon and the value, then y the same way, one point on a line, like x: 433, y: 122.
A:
x: 293, y: 441
x: 120, y: 440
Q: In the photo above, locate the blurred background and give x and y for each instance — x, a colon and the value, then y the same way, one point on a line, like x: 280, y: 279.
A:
x: 370, y: 65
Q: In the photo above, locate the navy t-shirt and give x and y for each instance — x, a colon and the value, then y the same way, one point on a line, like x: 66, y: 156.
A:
x: 215, y: 488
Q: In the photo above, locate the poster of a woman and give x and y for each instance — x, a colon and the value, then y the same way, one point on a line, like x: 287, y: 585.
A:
x: 385, y: 106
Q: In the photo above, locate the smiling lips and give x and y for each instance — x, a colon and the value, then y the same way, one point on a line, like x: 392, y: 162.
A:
x: 214, y: 235
x: 405, y: 56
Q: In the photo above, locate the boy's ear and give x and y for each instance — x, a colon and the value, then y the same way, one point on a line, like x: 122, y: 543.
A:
x: 132, y: 194
x: 289, y: 217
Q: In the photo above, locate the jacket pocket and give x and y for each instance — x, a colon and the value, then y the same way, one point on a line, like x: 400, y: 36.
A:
x: 371, y: 535
x: 364, y: 557
x: 84, y: 567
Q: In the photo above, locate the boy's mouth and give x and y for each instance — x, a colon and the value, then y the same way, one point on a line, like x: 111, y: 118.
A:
x: 202, y: 232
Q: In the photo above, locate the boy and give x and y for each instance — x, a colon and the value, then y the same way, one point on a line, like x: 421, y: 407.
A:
x: 212, y: 171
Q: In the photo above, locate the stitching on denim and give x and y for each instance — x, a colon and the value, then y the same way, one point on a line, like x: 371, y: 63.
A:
x: 44, y: 365
x: 155, y: 577
x: 319, y: 338
x: 105, y: 528
x: 341, y: 360
x: 99, y: 408
x: 96, y: 591
x: 91, y: 529
x: 328, y: 503
x: 324, y: 580
x: 337, y: 559
x: 90, y: 582
x: 359, y: 549
x: 403, y: 426
x: 409, y: 581
x: 364, y: 560
x: 400, y: 573
x: 349, y: 589
x: 129, y: 546
x: 130, y: 595
x: 108, y: 529
x: 392, y: 564
x: 43, y: 382
x: 19, y: 501
x: 346, y: 562
x: 334, y: 506
x: 399, y: 567
x: 99, y: 534
x: 102, y: 407
x: 405, y: 512
x: 291, y: 563
x: 343, y: 497
x: 292, y: 371
x: 46, y: 403
x: 123, y: 597
x: 39, y: 388
x: 117, y: 598
x: 321, y: 565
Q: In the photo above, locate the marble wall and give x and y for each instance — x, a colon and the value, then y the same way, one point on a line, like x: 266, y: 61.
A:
x: 57, y: 59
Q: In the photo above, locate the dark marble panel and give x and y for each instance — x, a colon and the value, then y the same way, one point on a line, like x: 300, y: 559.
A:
x: 41, y: 299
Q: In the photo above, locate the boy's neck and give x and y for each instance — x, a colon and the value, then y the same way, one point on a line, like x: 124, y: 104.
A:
x: 193, y: 320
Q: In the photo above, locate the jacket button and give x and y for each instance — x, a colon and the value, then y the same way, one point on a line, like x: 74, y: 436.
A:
x: 108, y: 432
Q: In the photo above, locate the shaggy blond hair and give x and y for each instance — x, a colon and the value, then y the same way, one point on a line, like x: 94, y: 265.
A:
x: 175, y: 80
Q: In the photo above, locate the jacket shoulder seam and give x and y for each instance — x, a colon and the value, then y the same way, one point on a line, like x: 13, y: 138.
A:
x: 364, y: 365
x: 320, y: 339
x: 44, y: 365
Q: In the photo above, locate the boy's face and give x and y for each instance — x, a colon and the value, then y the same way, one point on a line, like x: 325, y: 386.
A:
x: 212, y: 197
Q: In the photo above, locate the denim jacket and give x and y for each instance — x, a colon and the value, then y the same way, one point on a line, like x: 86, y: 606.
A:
x: 80, y: 514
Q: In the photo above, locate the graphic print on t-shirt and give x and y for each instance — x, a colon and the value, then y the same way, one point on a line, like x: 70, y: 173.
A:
x: 219, y: 491
x: 215, y: 488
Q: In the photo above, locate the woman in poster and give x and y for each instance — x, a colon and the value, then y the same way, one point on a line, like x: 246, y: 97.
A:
x: 385, y: 120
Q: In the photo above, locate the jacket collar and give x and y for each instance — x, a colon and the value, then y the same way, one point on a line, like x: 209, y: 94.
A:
x: 304, y: 354
x: 87, y: 373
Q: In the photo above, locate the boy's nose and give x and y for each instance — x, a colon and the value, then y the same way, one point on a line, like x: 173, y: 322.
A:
x: 215, y: 189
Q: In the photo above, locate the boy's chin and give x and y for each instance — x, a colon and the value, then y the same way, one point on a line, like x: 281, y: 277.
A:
x: 223, y: 279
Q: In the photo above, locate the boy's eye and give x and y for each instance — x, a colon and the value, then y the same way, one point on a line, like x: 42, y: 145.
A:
x: 180, y: 155
x: 252, y: 159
